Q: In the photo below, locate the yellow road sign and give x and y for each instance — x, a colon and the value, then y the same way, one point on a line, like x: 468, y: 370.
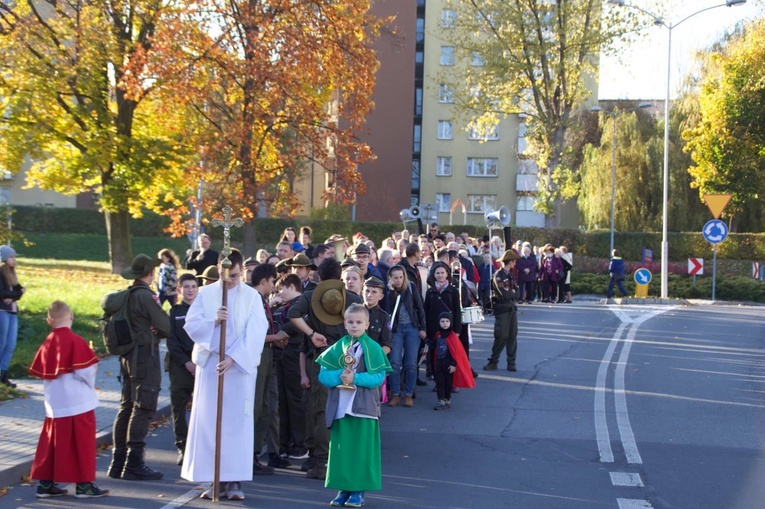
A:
x: 717, y: 203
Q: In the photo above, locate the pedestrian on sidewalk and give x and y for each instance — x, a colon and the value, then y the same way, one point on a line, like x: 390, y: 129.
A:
x: 353, y: 369
x: 180, y: 368
x: 66, y: 449
x: 246, y: 327
x: 141, y: 373
x: 616, y: 271
x: 10, y: 292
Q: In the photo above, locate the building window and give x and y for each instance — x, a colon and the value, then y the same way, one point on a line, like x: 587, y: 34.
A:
x: 444, y: 167
x: 445, y: 94
x: 418, y: 57
x: 443, y: 202
x: 447, y: 55
x: 416, y: 175
x: 420, y: 30
x: 447, y: 18
x: 418, y: 101
x: 482, y: 166
x: 475, y: 135
x: 479, y: 203
x: 444, y: 129
x: 477, y: 60
x: 417, y: 139
x: 526, y: 203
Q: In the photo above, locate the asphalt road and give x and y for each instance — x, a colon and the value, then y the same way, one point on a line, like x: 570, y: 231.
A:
x: 628, y: 407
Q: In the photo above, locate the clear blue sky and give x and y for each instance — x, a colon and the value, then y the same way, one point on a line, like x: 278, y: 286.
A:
x: 640, y: 70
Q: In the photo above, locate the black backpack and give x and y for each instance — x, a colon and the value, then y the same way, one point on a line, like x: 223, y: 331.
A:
x: 115, y: 322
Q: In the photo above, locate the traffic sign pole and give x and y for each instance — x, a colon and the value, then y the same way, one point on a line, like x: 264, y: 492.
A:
x: 714, y: 270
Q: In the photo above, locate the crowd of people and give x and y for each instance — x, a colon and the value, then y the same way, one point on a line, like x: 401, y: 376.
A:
x: 318, y: 337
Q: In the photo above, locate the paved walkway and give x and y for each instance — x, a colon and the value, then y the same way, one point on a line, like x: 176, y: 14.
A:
x: 21, y: 419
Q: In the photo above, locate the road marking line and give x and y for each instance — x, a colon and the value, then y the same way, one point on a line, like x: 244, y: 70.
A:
x: 633, y: 503
x: 626, y: 479
x: 187, y: 497
x: 620, y: 400
x: 601, y: 425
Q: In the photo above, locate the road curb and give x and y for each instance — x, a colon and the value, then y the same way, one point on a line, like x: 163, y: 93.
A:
x: 13, y: 475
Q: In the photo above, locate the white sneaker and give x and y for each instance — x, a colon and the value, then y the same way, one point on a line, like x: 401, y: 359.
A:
x: 235, y: 491
x: 208, y: 493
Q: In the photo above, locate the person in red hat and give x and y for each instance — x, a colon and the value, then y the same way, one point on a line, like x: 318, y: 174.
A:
x: 66, y: 449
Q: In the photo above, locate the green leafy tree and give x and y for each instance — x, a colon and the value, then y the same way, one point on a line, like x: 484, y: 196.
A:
x: 728, y: 142
x: 74, y: 82
x: 536, y: 57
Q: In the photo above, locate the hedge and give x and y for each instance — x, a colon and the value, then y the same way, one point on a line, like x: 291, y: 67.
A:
x: 744, y: 246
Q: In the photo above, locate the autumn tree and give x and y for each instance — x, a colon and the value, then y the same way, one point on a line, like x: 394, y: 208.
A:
x: 535, y: 57
x: 280, y: 86
x: 727, y: 142
x: 74, y: 81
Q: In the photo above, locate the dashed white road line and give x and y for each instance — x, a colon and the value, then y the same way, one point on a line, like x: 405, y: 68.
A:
x: 626, y: 479
x: 633, y: 503
x: 187, y: 497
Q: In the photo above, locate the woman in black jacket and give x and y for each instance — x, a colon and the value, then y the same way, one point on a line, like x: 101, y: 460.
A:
x: 10, y: 292
x: 408, y: 328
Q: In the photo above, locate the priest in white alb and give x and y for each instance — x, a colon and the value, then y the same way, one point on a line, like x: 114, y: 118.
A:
x: 246, y: 327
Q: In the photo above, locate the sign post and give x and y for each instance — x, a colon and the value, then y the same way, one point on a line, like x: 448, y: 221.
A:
x: 715, y: 231
x: 695, y: 266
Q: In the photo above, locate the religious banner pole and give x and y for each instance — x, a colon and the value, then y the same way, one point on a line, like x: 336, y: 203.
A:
x: 225, y: 265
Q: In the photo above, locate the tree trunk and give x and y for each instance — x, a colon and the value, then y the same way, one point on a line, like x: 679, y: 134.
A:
x: 118, y: 237
x: 248, y: 247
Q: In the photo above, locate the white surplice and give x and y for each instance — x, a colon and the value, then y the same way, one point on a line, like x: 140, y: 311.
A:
x: 245, y: 336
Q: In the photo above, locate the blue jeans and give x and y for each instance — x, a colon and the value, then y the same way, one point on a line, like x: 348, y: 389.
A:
x: 619, y: 283
x: 406, y: 344
x: 9, y: 329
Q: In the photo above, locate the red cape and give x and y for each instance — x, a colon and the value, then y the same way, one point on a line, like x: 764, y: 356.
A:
x: 62, y: 352
x: 463, y: 377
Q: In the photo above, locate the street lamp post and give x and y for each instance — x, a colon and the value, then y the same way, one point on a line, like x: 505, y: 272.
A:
x: 614, y: 114
x: 659, y: 21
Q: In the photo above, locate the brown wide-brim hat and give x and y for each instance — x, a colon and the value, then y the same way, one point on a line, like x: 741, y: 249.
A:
x: 509, y: 256
x: 328, y: 302
x: 211, y: 273
x: 142, y: 265
x: 301, y: 260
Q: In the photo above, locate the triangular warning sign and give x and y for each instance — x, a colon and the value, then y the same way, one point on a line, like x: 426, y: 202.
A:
x: 717, y: 203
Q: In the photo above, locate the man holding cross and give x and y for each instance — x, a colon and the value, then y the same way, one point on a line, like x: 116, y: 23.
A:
x: 246, y: 327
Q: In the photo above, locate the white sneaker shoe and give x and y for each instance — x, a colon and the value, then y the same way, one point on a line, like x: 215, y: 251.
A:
x: 235, y: 491
x: 208, y: 493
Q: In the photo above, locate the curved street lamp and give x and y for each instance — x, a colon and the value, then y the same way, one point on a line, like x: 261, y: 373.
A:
x: 659, y: 21
x: 614, y: 114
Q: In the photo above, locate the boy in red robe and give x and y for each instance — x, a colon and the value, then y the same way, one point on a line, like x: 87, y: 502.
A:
x: 451, y: 366
x: 66, y: 451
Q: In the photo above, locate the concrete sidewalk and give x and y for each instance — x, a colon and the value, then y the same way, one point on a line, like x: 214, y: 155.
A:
x: 21, y: 419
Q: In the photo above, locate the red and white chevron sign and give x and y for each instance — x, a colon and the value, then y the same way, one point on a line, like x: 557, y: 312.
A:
x: 756, y: 270
x: 695, y: 266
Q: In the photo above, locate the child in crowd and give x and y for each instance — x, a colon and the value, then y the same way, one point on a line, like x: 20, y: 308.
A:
x: 167, y: 278
x: 451, y: 368
x: 353, y: 369
x: 66, y: 450
x: 379, y: 319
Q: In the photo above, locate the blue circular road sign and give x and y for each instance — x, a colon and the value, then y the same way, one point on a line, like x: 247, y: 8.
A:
x: 643, y: 276
x: 715, y: 231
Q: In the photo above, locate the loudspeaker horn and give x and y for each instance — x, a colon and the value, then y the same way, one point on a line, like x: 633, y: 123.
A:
x: 404, y: 215
x: 501, y: 216
x: 415, y: 211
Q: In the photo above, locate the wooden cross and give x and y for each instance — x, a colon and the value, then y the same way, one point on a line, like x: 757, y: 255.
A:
x: 227, y: 223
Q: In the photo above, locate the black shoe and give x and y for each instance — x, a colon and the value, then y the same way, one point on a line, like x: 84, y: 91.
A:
x: 6, y: 381
x: 179, y: 461
x: 89, y: 490
x: 420, y: 382
x: 319, y: 471
x: 259, y: 469
x: 277, y: 461
x: 46, y: 489
x: 490, y: 366
x: 308, y: 464
x: 475, y: 375
x: 117, y: 465
x: 511, y: 367
x: 141, y: 473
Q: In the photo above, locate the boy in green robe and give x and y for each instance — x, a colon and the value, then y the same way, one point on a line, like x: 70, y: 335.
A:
x: 353, y: 369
